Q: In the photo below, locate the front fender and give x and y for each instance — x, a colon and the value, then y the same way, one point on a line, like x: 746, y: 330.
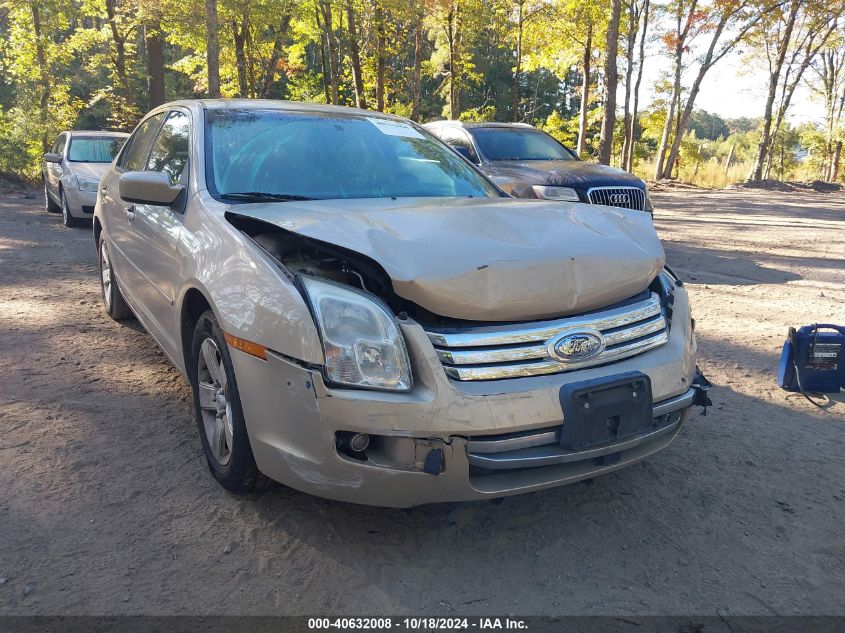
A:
x: 249, y: 292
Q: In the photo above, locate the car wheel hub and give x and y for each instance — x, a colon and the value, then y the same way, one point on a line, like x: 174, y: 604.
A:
x: 215, y: 409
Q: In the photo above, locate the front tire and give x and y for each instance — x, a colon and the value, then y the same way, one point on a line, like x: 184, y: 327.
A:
x: 219, y: 416
x: 67, y: 219
x: 113, y: 301
x: 49, y: 205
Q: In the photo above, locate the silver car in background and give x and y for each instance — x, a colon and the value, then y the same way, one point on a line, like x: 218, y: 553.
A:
x: 363, y: 316
x: 71, y: 172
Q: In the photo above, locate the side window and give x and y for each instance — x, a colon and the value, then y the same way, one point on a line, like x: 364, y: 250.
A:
x: 135, y: 155
x: 460, y: 141
x: 59, y: 145
x: 170, y: 150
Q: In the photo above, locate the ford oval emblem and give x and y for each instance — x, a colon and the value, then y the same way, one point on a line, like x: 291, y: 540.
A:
x: 576, y: 347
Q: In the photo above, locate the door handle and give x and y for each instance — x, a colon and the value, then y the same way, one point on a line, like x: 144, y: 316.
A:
x: 129, y: 212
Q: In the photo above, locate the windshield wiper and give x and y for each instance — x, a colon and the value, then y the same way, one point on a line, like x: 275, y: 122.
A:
x: 262, y: 196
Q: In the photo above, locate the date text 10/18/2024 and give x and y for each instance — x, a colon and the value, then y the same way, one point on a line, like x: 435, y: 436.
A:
x: 418, y: 624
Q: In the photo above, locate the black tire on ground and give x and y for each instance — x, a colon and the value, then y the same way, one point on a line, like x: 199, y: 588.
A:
x: 49, y: 205
x: 113, y: 301
x: 240, y: 473
x: 67, y: 219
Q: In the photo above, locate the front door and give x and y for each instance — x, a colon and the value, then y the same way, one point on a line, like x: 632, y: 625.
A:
x: 55, y: 170
x: 152, y: 241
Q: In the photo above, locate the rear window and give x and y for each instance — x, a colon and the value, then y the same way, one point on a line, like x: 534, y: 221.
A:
x: 94, y: 149
x: 515, y: 144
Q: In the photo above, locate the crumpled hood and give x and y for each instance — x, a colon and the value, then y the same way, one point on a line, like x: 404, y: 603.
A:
x: 564, y: 173
x: 487, y: 259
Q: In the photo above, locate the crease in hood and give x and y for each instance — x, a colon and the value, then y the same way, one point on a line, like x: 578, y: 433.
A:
x: 487, y: 259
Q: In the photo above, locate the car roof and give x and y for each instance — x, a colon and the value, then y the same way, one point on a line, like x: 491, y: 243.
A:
x: 73, y: 133
x: 275, y: 104
x: 478, y: 124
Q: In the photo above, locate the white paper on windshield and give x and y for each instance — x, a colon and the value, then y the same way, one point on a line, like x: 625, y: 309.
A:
x: 395, y: 128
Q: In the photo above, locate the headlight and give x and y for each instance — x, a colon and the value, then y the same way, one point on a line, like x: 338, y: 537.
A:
x: 361, y: 341
x: 648, y: 206
x: 88, y: 185
x: 556, y: 193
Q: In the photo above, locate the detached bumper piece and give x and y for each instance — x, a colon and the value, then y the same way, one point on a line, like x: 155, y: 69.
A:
x: 525, y: 455
x: 701, y: 386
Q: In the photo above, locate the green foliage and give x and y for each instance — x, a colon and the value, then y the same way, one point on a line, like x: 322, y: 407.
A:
x: 87, y: 66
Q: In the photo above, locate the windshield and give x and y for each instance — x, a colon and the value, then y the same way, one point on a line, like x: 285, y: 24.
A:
x: 514, y: 144
x: 307, y: 155
x: 94, y: 149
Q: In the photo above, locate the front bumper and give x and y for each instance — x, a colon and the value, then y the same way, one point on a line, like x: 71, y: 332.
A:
x: 80, y: 203
x: 292, y: 418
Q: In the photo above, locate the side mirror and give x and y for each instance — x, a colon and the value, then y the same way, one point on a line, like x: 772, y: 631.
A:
x: 50, y: 157
x: 148, y: 187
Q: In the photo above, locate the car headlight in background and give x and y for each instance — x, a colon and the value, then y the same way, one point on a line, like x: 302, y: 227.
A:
x: 361, y: 341
x: 88, y: 185
x: 648, y: 206
x: 555, y: 193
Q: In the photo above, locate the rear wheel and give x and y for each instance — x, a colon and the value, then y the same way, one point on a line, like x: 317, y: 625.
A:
x: 220, y: 419
x: 49, y: 205
x: 113, y: 301
x: 67, y: 219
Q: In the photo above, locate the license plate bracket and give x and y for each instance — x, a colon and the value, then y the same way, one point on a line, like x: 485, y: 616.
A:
x: 604, y: 410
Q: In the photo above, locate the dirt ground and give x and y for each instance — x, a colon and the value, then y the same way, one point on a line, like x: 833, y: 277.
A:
x: 107, y: 506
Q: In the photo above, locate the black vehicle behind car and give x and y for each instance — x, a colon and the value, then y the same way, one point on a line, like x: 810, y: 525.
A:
x: 528, y: 163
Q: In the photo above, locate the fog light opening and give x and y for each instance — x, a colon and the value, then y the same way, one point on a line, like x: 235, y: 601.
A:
x: 353, y: 445
x: 359, y: 442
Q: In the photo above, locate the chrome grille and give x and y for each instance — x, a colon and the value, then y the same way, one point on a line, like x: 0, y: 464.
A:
x: 625, y: 197
x: 512, y: 351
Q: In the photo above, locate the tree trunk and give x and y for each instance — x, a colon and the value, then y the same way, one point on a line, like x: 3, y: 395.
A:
x: 833, y: 176
x: 416, y: 86
x: 275, y: 56
x: 44, y: 74
x: 212, y: 48
x: 633, y: 23
x: 683, y: 120
x: 774, y: 78
x: 154, y: 45
x: 119, y: 52
x: 453, y: 33
x: 730, y: 158
x: 611, y: 79
x: 378, y: 16
x: 515, y: 90
x: 629, y: 157
x: 585, y: 92
x: 331, y: 51
x: 239, y: 37
x: 670, y: 116
x: 355, y: 55
x: 326, y: 79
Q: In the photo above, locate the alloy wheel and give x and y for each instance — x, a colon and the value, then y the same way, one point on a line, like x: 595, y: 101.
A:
x: 214, y: 401
x: 66, y: 217
x: 105, y: 273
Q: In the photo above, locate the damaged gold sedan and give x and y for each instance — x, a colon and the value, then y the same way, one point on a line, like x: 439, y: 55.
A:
x: 363, y: 316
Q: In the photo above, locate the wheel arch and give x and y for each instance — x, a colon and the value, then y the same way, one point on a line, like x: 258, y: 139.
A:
x: 194, y: 303
x: 98, y: 230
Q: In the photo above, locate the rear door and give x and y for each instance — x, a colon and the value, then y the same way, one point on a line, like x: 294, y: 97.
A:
x: 152, y: 239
